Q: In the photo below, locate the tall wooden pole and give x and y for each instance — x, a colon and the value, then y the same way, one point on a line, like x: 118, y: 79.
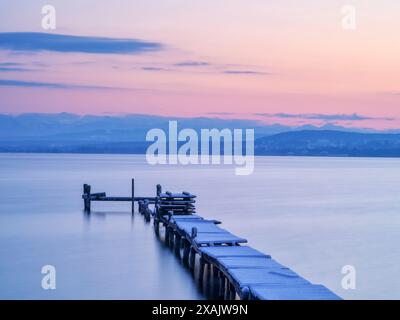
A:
x: 133, y: 195
x: 86, y: 193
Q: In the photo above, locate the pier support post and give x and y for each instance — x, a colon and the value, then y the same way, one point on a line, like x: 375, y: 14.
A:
x: 172, y: 239
x: 208, y: 280
x: 192, y: 259
x: 186, y: 251
x: 133, y: 195
x: 245, y: 293
x: 86, y: 194
x: 226, y: 289
x: 177, y: 245
x: 202, y: 266
x: 157, y: 226
x: 221, y: 285
x: 214, y: 281
x: 167, y: 235
x: 140, y: 206
x: 147, y: 211
x: 232, y: 292
x: 147, y: 215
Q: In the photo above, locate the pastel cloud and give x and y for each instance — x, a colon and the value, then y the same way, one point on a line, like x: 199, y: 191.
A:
x: 52, y: 85
x: 244, y: 72
x: 36, y: 42
x: 191, y: 64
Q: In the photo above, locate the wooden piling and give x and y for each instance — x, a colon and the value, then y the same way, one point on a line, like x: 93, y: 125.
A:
x: 192, y: 259
x: 194, y: 232
x: 201, y: 272
x: 209, y: 281
x: 156, y: 226
x: 214, y: 281
x: 86, y: 197
x: 171, y: 239
x: 167, y: 235
x: 133, y: 195
x: 226, y: 289
x: 232, y: 292
x: 221, y: 285
x: 245, y: 294
x: 140, y: 206
x: 177, y: 245
x: 186, y: 252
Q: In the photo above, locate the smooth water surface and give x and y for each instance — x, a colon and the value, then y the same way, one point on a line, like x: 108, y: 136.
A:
x: 315, y: 215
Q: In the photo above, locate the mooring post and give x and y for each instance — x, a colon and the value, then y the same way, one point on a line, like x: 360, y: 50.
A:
x: 86, y: 197
x: 194, y: 232
x: 133, y: 195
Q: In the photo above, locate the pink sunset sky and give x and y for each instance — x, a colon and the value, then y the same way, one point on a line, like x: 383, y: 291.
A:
x: 278, y: 62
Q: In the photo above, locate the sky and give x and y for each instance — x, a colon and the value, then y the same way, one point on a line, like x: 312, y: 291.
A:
x: 288, y: 61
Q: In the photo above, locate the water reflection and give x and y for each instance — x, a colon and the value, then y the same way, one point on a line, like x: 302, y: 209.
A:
x: 162, y: 249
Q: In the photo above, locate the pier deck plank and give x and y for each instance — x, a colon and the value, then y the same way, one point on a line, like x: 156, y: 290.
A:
x: 217, y: 238
x: 187, y: 217
x: 233, y: 251
x: 167, y: 196
x: 250, y: 262
x: 247, y: 277
x: 301, y: 292
x: 200, y: 225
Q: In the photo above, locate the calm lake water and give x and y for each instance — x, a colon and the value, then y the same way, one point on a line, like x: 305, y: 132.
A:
x: 315, y: 215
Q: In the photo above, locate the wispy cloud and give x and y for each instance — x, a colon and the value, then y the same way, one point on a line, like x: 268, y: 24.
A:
x: 325, y: 117
x: 244, y: 72
x: 36, y: 42
x: 10, y: 64
x: 52, y: 85
x: 14, y: 69
x: 155, y: 69
x: 192, y: 64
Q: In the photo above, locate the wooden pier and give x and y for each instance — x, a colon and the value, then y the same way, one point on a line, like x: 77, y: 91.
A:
x: 224, y: 267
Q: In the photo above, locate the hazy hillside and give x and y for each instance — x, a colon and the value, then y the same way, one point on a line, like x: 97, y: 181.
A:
x: 72, y: 133
x: 133, y: 127
x: 328, y: 142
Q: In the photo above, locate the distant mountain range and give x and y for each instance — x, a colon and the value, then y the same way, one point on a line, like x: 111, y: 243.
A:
x: 70, y: 133
x: 329, y: 143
